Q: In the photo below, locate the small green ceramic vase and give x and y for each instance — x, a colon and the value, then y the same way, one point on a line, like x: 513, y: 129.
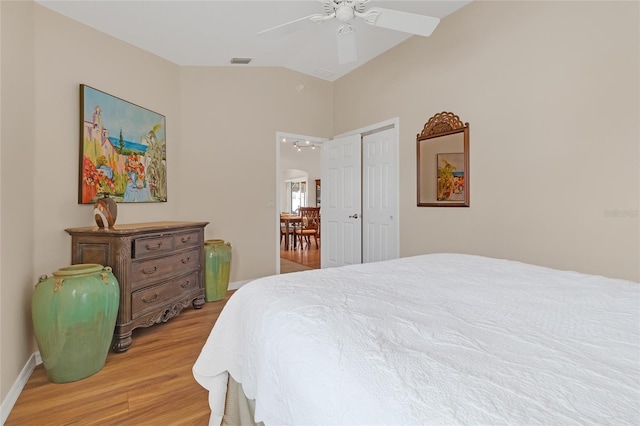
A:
x: 74, y: 315
x: 217, y: 265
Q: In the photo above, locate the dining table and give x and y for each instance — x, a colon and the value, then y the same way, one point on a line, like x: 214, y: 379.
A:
x: 289, y: 220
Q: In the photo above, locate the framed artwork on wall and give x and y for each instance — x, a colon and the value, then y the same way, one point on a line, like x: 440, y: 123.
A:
x: 450, y: 181
x: 122, y: 150
x: 443, y: 162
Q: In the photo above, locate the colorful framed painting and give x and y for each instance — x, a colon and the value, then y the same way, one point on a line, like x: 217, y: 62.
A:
x: 122, y: 150
x: 450, y: 177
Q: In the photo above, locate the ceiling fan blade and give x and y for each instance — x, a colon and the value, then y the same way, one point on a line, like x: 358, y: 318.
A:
x: 347, y: 51
x: 401, y: 21
x: 289, y: 27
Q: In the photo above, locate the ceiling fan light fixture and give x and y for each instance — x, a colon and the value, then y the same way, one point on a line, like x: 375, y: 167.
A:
x: 344, y: 12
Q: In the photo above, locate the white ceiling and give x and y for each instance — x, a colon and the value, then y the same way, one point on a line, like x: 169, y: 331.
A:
x: 210, y: 33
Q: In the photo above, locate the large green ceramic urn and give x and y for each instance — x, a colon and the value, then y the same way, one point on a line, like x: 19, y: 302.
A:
x: 74, y: 315
x: 217, y: 265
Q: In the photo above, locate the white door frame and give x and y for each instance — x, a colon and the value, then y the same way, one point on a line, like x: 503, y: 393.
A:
x: 276, y: 203
x: 395, y: 122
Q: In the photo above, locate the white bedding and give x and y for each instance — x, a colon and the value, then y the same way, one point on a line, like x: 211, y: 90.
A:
x: 437, y: 339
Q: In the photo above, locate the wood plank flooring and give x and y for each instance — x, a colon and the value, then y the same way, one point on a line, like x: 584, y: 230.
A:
x: 150, y: 384
x: 309, y: 257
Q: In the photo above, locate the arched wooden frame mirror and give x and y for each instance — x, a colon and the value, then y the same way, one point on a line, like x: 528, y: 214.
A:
x: 443, y: 162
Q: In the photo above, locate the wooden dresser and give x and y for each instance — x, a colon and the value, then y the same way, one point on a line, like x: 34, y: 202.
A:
x: 159, y: 267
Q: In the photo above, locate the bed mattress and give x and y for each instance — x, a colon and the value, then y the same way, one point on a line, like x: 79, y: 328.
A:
x: 432, y: 339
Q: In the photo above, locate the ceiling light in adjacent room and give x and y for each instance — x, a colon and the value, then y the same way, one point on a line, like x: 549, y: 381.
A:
x: 307, y: 144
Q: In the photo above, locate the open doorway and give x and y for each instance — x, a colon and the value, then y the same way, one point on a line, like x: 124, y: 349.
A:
x: 298, y: 185
x: 376, y: 209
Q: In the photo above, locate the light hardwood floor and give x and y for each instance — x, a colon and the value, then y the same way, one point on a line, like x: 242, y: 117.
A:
x: 150, y: 384
x: 307, y: 256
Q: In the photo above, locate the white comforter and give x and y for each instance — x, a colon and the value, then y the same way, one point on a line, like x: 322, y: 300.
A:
x: 437, y: 339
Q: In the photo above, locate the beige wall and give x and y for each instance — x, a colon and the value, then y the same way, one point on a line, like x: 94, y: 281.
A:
x: 551, y: 92
x: 68, y: 54
x: 230, y: 117
x: 17, y: 189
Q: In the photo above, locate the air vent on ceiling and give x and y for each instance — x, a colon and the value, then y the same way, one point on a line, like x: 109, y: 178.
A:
x: 323, y: 73
x: 243, y: 61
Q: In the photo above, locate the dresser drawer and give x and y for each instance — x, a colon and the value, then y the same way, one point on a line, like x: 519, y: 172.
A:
x: 149, y: 299
x: 186, y: 239
x: 149, y: 246
x: 159, y: 268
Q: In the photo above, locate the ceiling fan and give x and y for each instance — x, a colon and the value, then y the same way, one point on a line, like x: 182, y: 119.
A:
x: 345, y: 12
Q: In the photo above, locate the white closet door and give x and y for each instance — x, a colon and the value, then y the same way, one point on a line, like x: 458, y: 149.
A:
x: 379, y: 196
x: 341, y: 227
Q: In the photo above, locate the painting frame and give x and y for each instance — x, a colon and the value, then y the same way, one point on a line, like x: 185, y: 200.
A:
x: 122, y: 150
x: 442, y: 151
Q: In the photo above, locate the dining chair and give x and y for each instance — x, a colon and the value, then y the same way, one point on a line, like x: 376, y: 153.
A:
x: 310, y: 226
x: 284, y: 235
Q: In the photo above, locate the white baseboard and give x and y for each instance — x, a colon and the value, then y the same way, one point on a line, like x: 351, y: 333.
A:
x: 18, y: 385
x: 237, y: 284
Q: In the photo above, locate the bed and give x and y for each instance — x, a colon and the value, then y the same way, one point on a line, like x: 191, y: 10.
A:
x: 431, y: 339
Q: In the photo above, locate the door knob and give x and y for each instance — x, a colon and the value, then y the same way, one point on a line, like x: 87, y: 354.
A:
x: 355, y: 216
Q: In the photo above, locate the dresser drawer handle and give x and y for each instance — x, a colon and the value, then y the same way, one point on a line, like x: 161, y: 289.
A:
x: 150, y: 271
x: 156, y: 247
x: 145, y: 300
x: 185, y: 284
x: 186, y: 239
x: 185, y: 261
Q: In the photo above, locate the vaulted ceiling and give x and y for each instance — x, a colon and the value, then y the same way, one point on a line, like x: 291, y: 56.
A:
x: 212, y: 32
